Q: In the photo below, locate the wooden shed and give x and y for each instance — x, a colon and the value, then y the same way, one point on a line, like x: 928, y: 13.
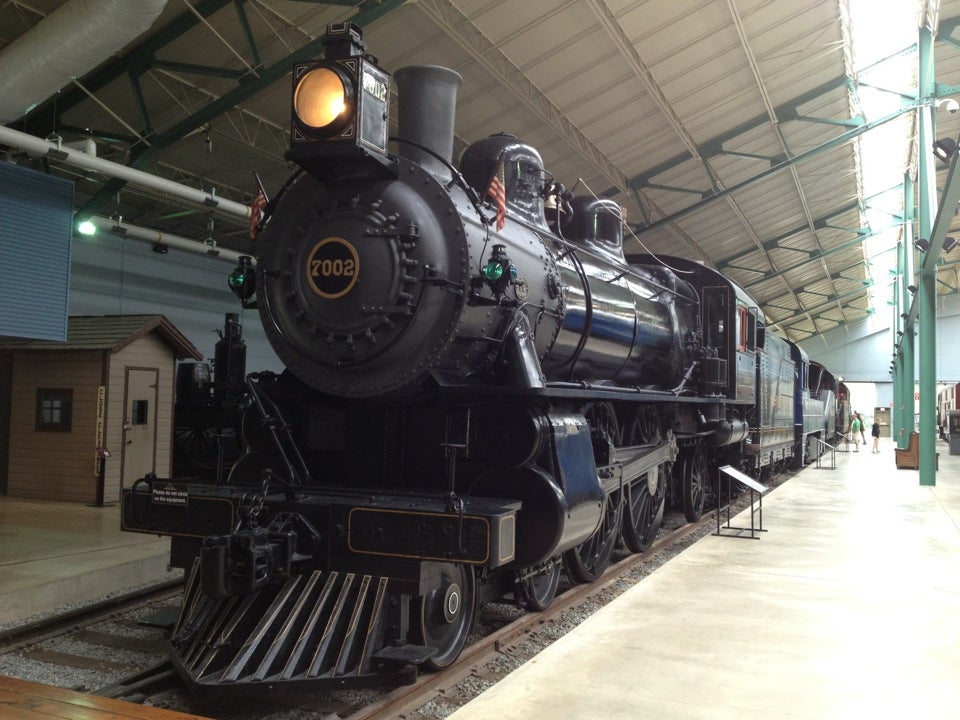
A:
x: 81, y: 419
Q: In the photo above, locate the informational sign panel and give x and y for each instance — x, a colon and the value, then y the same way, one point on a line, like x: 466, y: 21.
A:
x: 745, y: 479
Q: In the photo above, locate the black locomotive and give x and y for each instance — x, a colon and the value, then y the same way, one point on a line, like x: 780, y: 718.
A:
x: 481, y: 391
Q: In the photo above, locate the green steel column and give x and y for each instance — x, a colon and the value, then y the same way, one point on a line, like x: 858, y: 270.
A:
x: 896, y: 328
x: 927, y: 282
x: 906, y: 340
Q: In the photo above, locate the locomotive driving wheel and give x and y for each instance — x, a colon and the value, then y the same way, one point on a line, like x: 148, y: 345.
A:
x: 694, y: 481
x: 646, y: 496
x: 446, y: 613
x: 587, y: 561
x: 643, y: 510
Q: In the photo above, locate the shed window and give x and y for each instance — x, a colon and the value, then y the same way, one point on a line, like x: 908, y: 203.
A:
x: 54, y: 410
x: 139, y: 412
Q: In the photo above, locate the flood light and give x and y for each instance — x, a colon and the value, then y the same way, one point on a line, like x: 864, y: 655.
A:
x: 944, y: 148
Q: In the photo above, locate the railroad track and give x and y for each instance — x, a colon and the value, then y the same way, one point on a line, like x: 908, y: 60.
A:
x: 114, y: 644
x: 61, y: 623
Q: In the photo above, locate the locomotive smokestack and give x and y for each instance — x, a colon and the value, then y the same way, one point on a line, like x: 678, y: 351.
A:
x: 427, y: 102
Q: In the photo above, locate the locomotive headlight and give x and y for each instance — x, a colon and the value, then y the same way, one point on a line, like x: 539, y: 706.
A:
x: 340, y: 109
x: 321, y: 97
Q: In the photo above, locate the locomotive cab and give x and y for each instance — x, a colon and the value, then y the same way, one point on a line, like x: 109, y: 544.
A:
x: 730, y: 321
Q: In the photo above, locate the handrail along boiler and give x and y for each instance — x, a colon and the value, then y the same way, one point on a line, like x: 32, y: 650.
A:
x: 481, y: 391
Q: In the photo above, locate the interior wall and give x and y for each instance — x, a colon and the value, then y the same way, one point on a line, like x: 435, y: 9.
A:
x: 115, y: 276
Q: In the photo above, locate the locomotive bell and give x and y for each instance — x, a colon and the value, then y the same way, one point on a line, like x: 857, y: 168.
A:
x: 340, y: 107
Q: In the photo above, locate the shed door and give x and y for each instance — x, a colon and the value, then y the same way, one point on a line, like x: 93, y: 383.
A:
x: 139, y: 424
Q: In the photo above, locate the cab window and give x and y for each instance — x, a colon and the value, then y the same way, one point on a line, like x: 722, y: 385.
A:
x: 746, y: 329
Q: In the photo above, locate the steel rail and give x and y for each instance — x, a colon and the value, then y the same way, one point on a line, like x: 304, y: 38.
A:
x: 410, y: 697
x: 47, y: 627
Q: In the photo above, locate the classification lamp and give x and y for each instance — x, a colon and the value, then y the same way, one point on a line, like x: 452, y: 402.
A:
x: 243, y: 281
x: 499, y: 272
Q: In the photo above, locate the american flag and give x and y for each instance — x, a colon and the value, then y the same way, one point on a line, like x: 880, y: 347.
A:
x: 256, y: 212
x: 498, y: 193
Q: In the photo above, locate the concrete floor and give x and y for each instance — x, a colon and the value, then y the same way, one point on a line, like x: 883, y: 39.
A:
x: 848, y: 607
x: 54, y: 554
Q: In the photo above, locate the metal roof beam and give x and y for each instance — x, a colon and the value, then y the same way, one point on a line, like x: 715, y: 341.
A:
x: 133, y: 61
x: 714, y: 146
x: 850, y: 294
x: 267, y: 76
x: 839, y: 141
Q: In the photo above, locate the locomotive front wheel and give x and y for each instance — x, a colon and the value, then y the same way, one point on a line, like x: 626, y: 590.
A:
x: 536, y: 591
x: 446, y: 614
x: 694, y: 481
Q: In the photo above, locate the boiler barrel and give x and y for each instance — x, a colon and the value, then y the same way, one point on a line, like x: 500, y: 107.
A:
x: 633, y: 325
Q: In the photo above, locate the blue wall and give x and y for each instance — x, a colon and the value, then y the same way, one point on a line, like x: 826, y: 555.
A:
x: 36, y: 214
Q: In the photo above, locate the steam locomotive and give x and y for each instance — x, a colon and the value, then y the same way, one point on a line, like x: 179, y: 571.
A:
x: 481, y: 391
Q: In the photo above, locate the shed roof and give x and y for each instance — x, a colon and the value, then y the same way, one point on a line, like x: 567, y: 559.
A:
x: 732, y: 131
x: 113, y: 333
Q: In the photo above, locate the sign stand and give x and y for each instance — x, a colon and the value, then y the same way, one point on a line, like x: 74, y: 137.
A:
x: 822, y: 448
x: 756, y: 514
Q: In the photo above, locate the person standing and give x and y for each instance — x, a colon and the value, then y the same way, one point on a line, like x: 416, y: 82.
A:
x: 875, y: 431
x: 855, y: 431
x: 863, y: 428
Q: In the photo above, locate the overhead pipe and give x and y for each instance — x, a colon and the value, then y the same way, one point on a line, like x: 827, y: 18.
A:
x: 60, y: 152
x: 66, y: 44
x: 135, y: 232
